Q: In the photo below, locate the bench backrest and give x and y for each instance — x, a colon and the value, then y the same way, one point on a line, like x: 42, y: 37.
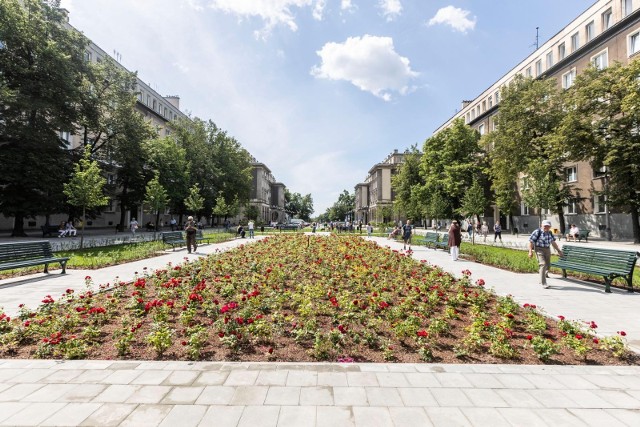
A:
x: 172, y: 235
x: 431, y: 236
x: 623, y: 261
x: 24, y: 251
x: 584, y: 232
x: 199, y: 233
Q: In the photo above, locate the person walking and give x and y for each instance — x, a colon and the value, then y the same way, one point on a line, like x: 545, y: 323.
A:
x: 497, y: 232
x: 455, y: 239
x: 541, y: 241
x: 484, y: 230
x: 133, y: 226
x: 406, y: 234
x: 190, y: 229
x: 250, y: 226
x: 369, y: 229
x: 173, y: 223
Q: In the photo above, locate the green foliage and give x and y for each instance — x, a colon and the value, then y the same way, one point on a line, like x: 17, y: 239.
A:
x: 299, y: 206
x: 156, y: 197
x: 406, y: 184
x: 543, y: 347
x: 42, y: 70
x: 194, y: 202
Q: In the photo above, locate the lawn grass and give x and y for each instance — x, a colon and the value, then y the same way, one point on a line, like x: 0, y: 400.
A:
x: 517, y: 260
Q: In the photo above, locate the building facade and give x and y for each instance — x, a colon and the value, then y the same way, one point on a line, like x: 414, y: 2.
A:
x: 375, y: 196
x: 267, y: 194
x: 607, y: 31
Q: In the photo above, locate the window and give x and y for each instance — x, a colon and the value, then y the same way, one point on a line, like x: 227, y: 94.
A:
x: 561, y: 52
x: 528, y: 73
x: 549, y: 60
x: 599, y: 204
x: 575, y: 42
x: 634, y: 43
x: 87, y: 56
x: 568, y: 79
x: 570, y: 208
x: 467, y: 117
x: 538, y: 67
x: 497, y: 95
x: 601, y: 60
x: 111, y: 178
x: 524, y: 209
x: 154, y: 105
x: 140, y: 97
x: 481, y: 129
x: 478, y: 111
x: 494, y: 125
x: 546, y: 211
x: 590, y: 31
x: 571, y: 174
x: 473, y: 114
x: 109, y: 207
x: 490, y: 101
x: 607, y: 19
x: 65, y: 137
x: 148, y: 100
x: 525, y: 183
x: 484, y: 106
x: 626, y: 7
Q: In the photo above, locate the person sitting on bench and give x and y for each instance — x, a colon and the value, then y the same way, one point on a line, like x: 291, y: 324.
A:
x: 395, y: 232
x: 62, y: 230
x: 70, y: 229
x: 574, y: 232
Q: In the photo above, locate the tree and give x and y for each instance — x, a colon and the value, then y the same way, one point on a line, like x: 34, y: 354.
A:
x: 297, y: 205
x: 221, y: 208
x: 41, y: 79
x: 474, y: 202
x: 523, y: 143
x: 406, y: 184
x: 449, y: 164
x: 344, y: 206
x: 85, y: 189
x: 194, y: 202
x: 169, y: 162
x: 252, y: 212
x: 602, y: 127
x: 156, y: 198
x: 541, y: 190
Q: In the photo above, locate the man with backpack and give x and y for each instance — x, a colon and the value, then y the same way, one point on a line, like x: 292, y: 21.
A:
x: 541, y: 241
x: 190, y: 228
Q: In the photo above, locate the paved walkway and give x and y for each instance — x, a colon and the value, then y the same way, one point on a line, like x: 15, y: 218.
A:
x: 136, y: 393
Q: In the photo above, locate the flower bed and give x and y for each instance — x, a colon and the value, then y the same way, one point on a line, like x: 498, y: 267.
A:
x: 303, y: 298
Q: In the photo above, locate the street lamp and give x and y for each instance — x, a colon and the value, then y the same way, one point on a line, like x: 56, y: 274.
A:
x: 607, y: 217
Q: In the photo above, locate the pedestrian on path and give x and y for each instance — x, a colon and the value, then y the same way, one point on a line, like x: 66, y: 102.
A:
x: 133, y: 226
x: 406, y: 234
x: 455, y: 239
x: 250, y: 226
x: 190, y: 229
x: 497, y: 232
x: 369, y: 230
x: 541, y: 241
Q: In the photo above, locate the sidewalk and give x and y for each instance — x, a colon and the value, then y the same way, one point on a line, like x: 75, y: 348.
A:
x: 135, y: 393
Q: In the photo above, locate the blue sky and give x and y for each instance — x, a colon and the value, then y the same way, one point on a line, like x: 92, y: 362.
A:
x: 321, y: 90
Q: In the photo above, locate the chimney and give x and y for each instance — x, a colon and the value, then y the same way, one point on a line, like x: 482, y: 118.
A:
x: 173, y: 100
x: 465, y: 103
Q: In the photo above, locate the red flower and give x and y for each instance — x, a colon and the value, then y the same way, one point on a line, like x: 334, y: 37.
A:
x: 529, y: 337
x: 561, y: 317
x: 183, y: 343
x: 622, y: 333
x: 596, y: 340
x: 480, y: 282
x: 423, y: 333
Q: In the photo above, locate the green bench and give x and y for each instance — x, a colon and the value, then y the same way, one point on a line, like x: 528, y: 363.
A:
x: 584, y: 234
x: 443, y: 241
x: 607, y: 263
x: 28, y: 254
x: 200, y: 237
x: 173, y: 238
x: 429, y: 240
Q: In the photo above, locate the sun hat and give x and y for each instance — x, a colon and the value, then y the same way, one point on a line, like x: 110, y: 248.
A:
x: 191, y: 218
x: 546, y: 222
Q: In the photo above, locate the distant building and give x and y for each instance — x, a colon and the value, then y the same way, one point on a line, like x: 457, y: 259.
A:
x: 607, y: 31
x: 267, y: 194
x: 374, y: 196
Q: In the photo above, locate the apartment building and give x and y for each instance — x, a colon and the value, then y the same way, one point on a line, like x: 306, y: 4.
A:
x: 607, y: 31
x: 267, y: 194
x: 375, y: 193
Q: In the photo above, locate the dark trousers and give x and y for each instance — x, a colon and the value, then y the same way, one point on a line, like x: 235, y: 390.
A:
x: 191, y: 242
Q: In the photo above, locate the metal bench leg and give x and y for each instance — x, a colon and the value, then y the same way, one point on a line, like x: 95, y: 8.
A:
x: 64, y: 267
x: 607, y: 283
x: 46, y: 268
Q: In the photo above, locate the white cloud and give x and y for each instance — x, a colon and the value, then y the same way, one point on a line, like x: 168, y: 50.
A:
x: 318, y: 9
x: 346, y: 5
x: 273, y: 12
x: 391, y: 9
x: 182, y: 67
x: 455, y: 17
x: 369, y: 63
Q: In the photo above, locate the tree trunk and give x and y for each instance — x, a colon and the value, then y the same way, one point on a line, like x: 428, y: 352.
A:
x: 636, y: 228
x: 84, y: 220
x: 18, y: 226
x: 155, y: 228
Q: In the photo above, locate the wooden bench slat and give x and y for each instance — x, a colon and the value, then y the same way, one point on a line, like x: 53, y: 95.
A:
x: 28, y: 254
x: 607, y: 263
